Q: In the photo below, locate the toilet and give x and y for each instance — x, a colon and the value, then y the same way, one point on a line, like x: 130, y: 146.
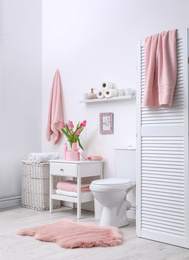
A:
x: 111, y: 192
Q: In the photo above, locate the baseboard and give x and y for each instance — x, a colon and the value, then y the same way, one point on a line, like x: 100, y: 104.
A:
x: 131, y: 213
x: 10, y: 202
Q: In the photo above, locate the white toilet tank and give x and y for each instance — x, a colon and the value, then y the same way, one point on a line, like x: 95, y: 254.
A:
x: 125, y: 163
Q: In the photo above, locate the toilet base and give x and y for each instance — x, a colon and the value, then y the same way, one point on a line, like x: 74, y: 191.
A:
x: 122, y: 213
x: 109, y: 217
x: 116, y: 216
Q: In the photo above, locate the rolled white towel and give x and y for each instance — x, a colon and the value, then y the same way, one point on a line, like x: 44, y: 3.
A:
x: 111, y: 93
x: 42, y: 157
x: 107, y: 85
x: 100, y: 93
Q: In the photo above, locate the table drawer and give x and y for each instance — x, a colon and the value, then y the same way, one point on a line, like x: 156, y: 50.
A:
x: 63, y: 169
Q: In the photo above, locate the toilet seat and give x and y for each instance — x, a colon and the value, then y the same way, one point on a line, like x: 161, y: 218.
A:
x: 110, y: 184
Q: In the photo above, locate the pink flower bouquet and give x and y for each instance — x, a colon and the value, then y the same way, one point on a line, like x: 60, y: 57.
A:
x: 73, y: 136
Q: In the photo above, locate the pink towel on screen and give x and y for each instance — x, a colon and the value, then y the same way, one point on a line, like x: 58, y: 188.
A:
x: 72, y: 186
x: 55, y: 116
x: 160, y: 69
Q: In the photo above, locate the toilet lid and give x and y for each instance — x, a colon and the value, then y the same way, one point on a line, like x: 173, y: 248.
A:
x: 111, y: 183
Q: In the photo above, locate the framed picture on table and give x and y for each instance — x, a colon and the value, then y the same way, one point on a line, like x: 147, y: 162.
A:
x: 106, y: 123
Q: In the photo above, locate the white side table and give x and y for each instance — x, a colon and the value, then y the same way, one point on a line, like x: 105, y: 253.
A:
x: 78, y: 170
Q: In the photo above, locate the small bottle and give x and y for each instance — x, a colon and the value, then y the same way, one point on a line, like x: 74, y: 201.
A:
x: 65, y: 150
x: 92, y: 95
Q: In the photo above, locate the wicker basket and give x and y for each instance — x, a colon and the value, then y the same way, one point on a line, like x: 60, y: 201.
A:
x: 35, y: 186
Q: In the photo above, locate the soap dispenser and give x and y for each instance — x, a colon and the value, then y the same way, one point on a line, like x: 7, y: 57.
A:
x: 91, y: 95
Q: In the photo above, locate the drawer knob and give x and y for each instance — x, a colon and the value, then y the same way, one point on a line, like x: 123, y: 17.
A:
x: 61, y: 170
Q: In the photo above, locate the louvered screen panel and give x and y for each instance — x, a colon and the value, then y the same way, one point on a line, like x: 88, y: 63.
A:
x: 162, y: 184
x: 162, y: 160
x: 165, y: 115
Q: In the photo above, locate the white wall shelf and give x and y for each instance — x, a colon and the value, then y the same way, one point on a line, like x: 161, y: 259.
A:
x: 107, y: 99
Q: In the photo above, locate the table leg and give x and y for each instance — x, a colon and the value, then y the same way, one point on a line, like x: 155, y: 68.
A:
x: 78, y: 197
x: 51, y: 192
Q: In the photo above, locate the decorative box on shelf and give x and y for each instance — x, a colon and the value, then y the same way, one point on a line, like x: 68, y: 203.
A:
x: 36, y: 186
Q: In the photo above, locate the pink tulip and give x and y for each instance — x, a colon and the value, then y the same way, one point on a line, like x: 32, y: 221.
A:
x: 78, y: 132
x: 70, y: 124
x: 81, y: 124
x: 63, y: 124
x: 84, y: 123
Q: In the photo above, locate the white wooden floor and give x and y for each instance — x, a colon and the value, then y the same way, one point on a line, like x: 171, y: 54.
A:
x: 14, y: 247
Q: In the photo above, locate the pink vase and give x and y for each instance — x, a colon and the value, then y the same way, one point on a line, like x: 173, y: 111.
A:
x: 72, y: 156
x: 74, y: 147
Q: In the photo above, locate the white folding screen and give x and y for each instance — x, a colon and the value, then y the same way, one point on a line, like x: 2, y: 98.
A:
x: 162, y: 158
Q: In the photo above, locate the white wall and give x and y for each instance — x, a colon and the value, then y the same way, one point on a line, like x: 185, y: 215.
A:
x: 93, y: 41
x: 96, y: 40
x: 87, y: 42
x: 20, y: 91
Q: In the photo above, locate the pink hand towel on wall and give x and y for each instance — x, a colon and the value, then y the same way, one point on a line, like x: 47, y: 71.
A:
x: 160, y: 69
x: 71, y: 186
x: 55, y: 116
